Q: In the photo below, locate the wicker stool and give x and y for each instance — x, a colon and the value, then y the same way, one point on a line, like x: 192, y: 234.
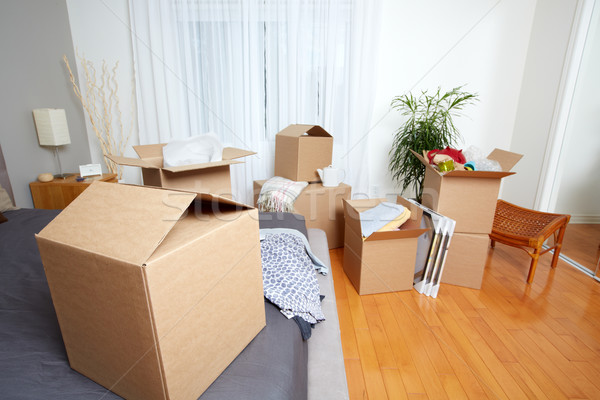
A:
x: 520, y: 227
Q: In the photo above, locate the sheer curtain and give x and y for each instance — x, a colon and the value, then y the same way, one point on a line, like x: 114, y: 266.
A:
x: 245, y: 69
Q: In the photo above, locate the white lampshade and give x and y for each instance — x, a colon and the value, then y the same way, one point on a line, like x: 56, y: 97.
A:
x: 51, y: 126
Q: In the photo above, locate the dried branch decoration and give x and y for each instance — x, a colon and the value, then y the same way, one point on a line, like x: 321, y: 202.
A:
x: 102, y: 106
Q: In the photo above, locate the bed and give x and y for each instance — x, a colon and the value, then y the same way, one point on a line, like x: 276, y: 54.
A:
x: 277, y: 364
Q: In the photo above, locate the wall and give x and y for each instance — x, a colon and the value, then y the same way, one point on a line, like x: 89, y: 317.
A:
x: 101, y: 33
x: 577, y: 187
x: 34, y: 35
x: 480, y: 44
x: 538, y: 99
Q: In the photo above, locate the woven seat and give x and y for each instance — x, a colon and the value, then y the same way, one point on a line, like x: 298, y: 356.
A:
x: 524, y: 228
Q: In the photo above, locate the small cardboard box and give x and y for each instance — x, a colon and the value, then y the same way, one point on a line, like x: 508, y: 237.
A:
x: 468, y: 197
x: 300, y: 150
x: 156, y: 291
x: 212, y: 177
x: 466, y: 259
x: 385, y: 261
x: 322, y: 208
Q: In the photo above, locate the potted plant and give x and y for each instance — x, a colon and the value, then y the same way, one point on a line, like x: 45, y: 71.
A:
x: 429, y: 126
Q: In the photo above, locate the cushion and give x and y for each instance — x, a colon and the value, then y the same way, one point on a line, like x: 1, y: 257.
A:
x: 279, y: 194
x: 5, y: 201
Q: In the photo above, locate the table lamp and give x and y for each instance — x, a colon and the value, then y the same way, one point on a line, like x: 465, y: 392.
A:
x: 52, y: 130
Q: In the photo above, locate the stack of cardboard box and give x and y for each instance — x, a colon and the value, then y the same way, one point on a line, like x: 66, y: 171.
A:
x: 469, y: 198
x: 299, y: 151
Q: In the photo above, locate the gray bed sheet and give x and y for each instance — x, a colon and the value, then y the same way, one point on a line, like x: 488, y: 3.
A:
x: 33, y: 361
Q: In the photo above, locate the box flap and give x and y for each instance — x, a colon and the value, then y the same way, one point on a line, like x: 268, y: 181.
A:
x: 477, y: 174
x: 192, y: 167
x: 506, y: 159
x: 149, y: 150
x: 399, y: 234
x: 425, y: 162
x: 134, y: 162
x: 298, y: 130
x: 230, y: 153
x: 125, y: 222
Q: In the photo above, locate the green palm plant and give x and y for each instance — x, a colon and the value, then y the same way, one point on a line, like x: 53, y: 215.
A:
x: 429, y: 126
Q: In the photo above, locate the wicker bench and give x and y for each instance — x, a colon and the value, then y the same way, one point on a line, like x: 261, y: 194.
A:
x: 524, y: 228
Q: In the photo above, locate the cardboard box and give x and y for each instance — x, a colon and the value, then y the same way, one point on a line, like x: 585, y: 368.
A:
x: 385, y: 261
x: 212, y: 177
x: 322, y: 208
x: 300, y: 150
x: 156, y: 291
x: 466, y: 259
x: 468, y: 197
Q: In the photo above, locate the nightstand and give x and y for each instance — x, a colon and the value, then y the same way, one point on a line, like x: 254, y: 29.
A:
x: 59, y: 193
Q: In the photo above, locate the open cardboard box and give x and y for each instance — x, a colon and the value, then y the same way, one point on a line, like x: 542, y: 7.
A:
x: 321, y: 207
x: 468, y: 197
x: 156, y: 291
x: 300, y: 150
x: 385, y: 261
x: 212, y: 177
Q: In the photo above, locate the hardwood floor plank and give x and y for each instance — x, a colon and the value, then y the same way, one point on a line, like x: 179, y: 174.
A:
x: 528, y: 363
x: 356, y: 383
x: 370, y: 366
x: 393, y: 384
x: 413, y: 335
x: 380, y: 340
x: 525, y: 381
x: 554, y: 372
x: 491, y: 370
x: 402, y: 355
x: 471, y: 384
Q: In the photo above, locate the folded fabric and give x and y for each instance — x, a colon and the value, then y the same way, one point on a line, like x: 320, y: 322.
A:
x: 194, y: 150
x: 385, y: 216
x: 279, y: 194
x: 456, y: 155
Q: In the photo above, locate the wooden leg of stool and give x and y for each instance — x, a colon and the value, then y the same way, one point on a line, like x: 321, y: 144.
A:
x: 493, y: 244
x: 535, y: 255
x: 558, y: 245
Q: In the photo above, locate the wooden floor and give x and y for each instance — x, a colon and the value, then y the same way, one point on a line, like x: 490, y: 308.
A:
x: 581, y: 244
x: 508, y: 340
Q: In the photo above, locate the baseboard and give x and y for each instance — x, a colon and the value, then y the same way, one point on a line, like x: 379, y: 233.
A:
x: 584, y: 219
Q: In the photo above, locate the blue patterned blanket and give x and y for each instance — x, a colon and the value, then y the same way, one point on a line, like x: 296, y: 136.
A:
x: 289, y: 274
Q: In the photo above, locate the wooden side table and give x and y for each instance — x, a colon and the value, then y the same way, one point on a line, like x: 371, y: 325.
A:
x: 59, y: 193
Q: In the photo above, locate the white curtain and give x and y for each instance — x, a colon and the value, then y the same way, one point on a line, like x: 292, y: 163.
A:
x: 245, y: 69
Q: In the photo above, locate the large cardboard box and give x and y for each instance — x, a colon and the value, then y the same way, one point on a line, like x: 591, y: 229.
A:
x: 468, y: 197
x: 212, y: 177
x: 385, y: 261
x: 300, y: 150
x: 156, y: 291
x: 322, y: 208
x: 466, y: 260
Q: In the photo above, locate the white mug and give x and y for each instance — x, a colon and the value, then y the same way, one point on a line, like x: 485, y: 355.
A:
x: 330, y: 176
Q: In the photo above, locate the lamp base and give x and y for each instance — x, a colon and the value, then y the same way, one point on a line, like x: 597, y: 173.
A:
x: 62, y: 176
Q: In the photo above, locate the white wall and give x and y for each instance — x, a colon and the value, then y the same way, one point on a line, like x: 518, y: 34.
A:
x: 577, y: 187
x: 100, y: 30
x: 539, y: 97
x: 426, y: 44
x: 34, y: 35
x: 511, y: 52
